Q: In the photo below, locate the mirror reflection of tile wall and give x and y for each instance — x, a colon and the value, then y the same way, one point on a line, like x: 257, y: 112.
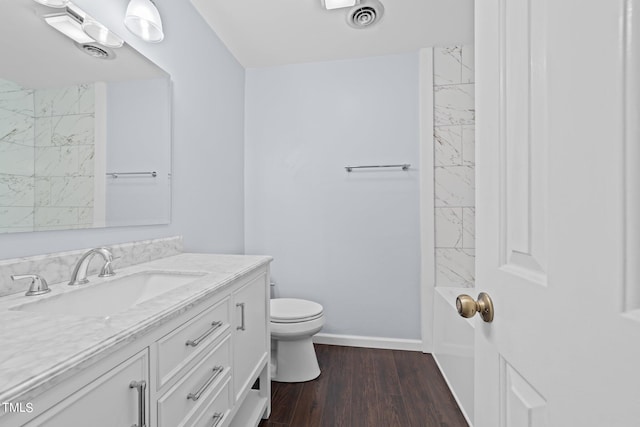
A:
x: 47, y: 150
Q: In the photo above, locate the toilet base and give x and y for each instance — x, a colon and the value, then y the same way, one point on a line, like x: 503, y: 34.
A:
x: 296, y: 361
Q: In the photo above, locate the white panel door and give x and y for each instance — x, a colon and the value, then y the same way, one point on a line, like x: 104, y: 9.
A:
x: 557, y: 220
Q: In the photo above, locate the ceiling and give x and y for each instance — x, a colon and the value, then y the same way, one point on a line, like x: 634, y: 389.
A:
x: 35, y: 55
x: 263, y: 33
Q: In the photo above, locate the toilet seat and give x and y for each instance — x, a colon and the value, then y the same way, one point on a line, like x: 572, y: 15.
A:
x: 292, y: 310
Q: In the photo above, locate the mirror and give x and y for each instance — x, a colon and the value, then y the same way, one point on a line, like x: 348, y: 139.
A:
x: 85, y: 130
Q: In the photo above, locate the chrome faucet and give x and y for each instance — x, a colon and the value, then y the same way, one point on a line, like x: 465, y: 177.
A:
x: 38, y: 285
x: 79, y: 275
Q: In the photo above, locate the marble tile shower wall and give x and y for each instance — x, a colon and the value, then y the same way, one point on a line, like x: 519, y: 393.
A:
x: 454, y: 140
x: 47, y: 147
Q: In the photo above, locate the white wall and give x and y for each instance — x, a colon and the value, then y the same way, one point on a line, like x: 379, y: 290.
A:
x: 347, y: 241
x: 208, y: 88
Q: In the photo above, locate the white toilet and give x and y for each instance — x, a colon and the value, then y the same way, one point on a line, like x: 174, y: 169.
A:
x: 293, y: 323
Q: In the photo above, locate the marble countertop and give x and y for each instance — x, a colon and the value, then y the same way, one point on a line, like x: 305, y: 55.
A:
x: 37, y: 350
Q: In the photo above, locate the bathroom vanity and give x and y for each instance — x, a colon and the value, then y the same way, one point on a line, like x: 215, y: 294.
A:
x: 184, y: 342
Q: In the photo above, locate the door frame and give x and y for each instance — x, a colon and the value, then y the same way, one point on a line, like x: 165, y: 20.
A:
x: 427, y: 188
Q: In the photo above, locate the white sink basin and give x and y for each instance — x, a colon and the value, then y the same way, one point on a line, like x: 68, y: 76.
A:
x: 112, y: 296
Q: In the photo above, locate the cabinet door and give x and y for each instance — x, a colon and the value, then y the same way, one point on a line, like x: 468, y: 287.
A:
x: 250, y: 339
x: 106, y: 402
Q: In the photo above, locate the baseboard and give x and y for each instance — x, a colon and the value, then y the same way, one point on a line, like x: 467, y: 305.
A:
x: 368, y: 342
x: 453, y: 392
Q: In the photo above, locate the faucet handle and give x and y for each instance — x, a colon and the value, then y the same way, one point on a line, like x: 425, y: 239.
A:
x: 38, y: 285
x: 107, y: 270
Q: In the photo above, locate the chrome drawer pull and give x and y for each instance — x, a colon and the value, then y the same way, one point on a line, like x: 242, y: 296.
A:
x: 217, y: 417
x: 241, y: 327
x: 214, y: 327
x: 216, y: 371
x: 142, y: 412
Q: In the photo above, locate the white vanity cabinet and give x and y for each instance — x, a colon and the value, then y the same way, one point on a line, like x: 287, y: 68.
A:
x: 198, y: 369
x: 114, y: 398
x: 250, y: 333
x: 251, y: 349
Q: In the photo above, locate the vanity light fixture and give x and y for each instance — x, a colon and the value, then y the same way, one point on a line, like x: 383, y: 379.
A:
x: 143, y: 20
x: 336, y: 4
x: 82, y: 28
x: 53, y: 3
x: 100, y: 33
x: 68, y: 26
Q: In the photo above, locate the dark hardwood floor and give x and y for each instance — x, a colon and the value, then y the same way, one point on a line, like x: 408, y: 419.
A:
x: 362, y: 387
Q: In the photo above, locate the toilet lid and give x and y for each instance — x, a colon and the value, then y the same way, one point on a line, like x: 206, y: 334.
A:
x: 288, y: 310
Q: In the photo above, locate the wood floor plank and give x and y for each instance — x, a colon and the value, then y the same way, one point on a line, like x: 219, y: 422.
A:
x: 392, y: 412
x: 269, y: 423
x: 365, y: 408
x: 311, y: 402
x: 415, y: 392
x: 448, y: 411
x: 385, y: 371
x: 427, y: 398
x: 337, y: 409
x: 361, y: 387
x: 284, y: 397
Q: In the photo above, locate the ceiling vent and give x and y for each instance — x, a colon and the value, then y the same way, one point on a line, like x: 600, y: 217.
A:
x: 365, y: 14
x: 95, y: 50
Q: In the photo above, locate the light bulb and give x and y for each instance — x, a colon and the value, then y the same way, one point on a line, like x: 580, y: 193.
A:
x: 143, y: 20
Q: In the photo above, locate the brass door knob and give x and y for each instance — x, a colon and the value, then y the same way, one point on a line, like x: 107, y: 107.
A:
x: 467, y: 306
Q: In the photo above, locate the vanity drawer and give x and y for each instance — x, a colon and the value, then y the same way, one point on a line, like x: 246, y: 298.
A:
x: 217, y: 413
x: 179, y: 347
x: 196, y: 389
